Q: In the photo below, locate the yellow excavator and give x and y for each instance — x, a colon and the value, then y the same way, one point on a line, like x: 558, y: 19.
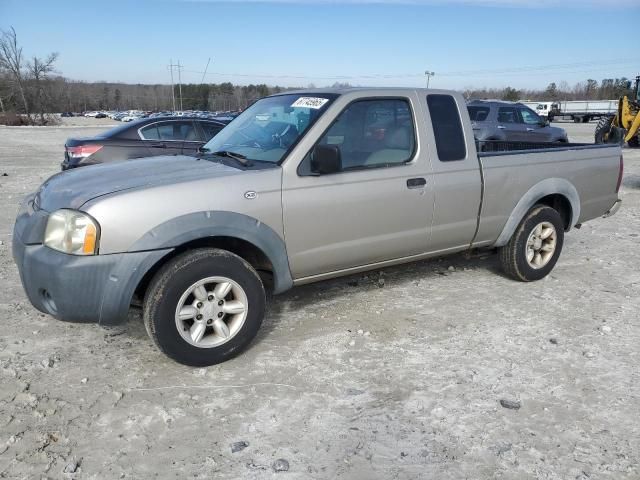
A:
x: 624, y: 126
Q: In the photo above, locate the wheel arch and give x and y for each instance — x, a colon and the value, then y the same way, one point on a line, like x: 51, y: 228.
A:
x: 242, y: 235
x: 557, y: 193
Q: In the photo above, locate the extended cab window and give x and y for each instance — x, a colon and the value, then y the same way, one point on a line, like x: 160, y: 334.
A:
x: 447, y: 127
x: 373, y: 133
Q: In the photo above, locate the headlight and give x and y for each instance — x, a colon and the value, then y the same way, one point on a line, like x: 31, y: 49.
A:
x: 73, y: 232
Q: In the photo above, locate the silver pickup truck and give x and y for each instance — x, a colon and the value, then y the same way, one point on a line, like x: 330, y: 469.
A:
x: 299, y: 188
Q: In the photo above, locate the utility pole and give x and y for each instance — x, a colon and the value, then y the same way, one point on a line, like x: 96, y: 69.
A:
x: 173, y: 97
x: 180, y: 84
x: 429, y: 75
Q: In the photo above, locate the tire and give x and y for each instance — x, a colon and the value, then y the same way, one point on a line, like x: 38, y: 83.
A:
x: 514, y: 255
x: 634, y: 142
x: 602, y: 129
x: 586, y: 119
x: 577, y: 119
x: 223, y: 328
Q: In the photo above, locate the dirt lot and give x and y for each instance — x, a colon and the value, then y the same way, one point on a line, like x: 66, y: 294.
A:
x: 397, y: 374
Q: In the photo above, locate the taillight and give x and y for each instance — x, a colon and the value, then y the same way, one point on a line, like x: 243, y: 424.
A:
x: 83, y: 151
x: 620, y: 172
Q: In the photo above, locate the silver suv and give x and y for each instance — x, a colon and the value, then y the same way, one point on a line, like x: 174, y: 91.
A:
x: 494, y: 120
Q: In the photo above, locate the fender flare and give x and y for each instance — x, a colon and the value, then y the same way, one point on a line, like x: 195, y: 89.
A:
x: 549, y: 186
x: 195, y: 226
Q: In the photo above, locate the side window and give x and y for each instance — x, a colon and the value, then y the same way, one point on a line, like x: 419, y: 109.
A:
x: 150, y: 132
x: 447, y: 127
x: 373, y: 133
x: 529, y: 117
x: 210, y: 130
x: 177, y: 130
x: 507, y: 115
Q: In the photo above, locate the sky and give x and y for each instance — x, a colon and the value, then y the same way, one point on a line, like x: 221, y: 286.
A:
x: 466, y: 43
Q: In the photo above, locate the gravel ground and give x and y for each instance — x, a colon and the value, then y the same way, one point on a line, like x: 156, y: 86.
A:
x: 411, y: 372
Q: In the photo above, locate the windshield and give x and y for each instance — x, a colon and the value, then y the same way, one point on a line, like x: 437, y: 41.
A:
x: 270, y: 127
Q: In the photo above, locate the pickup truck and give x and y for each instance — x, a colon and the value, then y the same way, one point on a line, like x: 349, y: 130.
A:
x: 301, y: 187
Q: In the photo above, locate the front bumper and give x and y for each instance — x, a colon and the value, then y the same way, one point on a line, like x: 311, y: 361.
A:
x: 97, y: 288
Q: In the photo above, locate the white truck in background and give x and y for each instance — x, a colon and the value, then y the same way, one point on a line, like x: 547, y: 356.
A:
x: 541, y: 108
x: 583, y: 111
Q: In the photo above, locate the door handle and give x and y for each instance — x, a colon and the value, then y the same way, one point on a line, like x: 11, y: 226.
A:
x: 159, y: 145
x: 501, y: 127
x: 529, y: 129
x: 416, y: 182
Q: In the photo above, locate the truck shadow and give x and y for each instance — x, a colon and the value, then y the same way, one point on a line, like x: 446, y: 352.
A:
x: 307, y: 296
x: 340, y: 289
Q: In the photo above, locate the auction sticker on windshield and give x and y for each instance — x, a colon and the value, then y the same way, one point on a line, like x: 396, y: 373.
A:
x: 310, y: 102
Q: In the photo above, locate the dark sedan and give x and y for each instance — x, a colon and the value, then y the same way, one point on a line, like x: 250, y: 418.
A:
x: 147, y: 137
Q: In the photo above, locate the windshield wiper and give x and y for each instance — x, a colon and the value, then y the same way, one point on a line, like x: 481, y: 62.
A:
x: 241, y: 159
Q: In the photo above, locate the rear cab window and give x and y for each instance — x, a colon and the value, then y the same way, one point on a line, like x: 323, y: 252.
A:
x: 447, y: 127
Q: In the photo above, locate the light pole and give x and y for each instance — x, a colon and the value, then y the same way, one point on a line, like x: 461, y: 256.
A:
x: 429, y: 75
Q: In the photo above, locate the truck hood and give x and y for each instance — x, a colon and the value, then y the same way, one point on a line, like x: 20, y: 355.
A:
x: 74, y: 188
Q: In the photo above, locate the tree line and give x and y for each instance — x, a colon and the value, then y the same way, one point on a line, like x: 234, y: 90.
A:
x: 607, y: 89
x: 32, y: 88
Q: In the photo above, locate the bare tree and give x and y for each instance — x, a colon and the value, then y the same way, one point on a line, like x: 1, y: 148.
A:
x: 11, y: 60
x: 39, y: 71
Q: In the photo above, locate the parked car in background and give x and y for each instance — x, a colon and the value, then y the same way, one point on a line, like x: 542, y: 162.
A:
x: 66, y: 114
x: 143, y: 138
x: 494, y: 120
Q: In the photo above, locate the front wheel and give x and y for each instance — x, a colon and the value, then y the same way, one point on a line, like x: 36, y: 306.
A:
x: 535, y: 246
x: 204, y: 306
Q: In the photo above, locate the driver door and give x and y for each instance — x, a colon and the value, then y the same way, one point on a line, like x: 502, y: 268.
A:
x: 377, y: 208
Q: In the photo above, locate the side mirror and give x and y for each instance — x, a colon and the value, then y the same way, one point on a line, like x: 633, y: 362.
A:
x: 326, y: 159
x: 543, y: 122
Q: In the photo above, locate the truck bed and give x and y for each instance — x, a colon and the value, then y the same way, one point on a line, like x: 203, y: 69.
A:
x: 513, y: 170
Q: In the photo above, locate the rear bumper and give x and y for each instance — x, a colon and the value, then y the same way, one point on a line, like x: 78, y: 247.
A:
x: 97, y: 288
x: 614, y: 208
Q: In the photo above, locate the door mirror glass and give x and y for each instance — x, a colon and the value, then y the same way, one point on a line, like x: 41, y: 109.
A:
x: 326, y: 159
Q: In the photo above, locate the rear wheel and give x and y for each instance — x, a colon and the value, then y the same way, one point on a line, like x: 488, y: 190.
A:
x: 204, y: 306
x: 602, y: 129
x: 535, y: 246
